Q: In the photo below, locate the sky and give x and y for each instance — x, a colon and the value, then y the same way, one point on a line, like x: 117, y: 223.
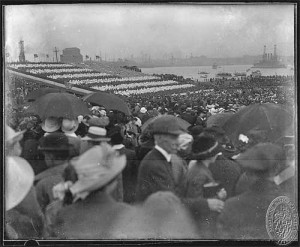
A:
x: 122, y: 30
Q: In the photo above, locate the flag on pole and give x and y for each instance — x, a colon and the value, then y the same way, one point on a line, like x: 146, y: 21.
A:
x: 86, y: 56
x: 35, y: 55
x: 97, y: 57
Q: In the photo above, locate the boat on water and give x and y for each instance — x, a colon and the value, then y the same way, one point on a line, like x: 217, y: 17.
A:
x: 203, y: 73
x: 203, y: 76
x: 224, y: 74
x: 214, y: 66
x: 239, y: 74
x: 269, y: 60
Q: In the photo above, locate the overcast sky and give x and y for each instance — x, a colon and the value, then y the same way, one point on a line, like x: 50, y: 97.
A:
x: 122, y: 30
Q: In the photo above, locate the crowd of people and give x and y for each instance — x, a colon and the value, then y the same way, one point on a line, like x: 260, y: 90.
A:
x: 146, y: 176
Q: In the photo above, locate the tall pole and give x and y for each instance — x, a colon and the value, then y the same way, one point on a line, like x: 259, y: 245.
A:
x: 56, y: 51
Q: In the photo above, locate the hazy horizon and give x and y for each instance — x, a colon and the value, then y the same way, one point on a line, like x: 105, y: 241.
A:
x: 122, y: 30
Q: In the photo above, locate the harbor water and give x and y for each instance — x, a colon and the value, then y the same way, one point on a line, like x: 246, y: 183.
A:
x: 193, y: 72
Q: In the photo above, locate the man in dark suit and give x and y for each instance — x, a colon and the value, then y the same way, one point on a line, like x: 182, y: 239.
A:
x: 158, y: 173
x: 130, y: 172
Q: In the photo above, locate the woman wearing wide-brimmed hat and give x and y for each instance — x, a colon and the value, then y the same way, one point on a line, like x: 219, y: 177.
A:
x: 244, y: 216
x: 85, y: 209
x: 205, y: 151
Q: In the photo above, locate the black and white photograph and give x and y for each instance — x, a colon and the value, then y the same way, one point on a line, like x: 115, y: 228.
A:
x: 150, y: 122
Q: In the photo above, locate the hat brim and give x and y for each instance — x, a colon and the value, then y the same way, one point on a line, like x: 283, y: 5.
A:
x: 207, y: 155
x: 50, y: 130
x: 73, y: 130
x: 117, y: 165
x: 19, y: 179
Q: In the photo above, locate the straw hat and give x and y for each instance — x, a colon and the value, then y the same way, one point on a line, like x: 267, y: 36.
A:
x: 143, y: 110
x: 95, y: 168
x: 19, y: 179
x: 51, y: 124
x: 69, y: 126
x: 11, y: 136
x: 96, y: 134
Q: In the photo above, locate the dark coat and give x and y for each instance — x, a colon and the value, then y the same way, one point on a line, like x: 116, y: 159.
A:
x: 44, y: 183
x: 92, y: 218
x: 227, y: 172
x: 129, y: 175
x: 155, y: 174
x: 198, y: 175
x: 244, y: 216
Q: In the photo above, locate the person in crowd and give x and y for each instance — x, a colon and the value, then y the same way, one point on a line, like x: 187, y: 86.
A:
x: 51, y: 125
x: 244, y: 216
x: 143, y: 115
x: 30, y: 142
x: 23, y: 216
x: 85, y: 208
x: 129, y: 174
x: 95, y: 137
x: 69, y: 127
x: 56, y: 149
x: 225, y: 170
x: 157, y: 172
x: 185, y: 146
x: 201, y: 118
x: 205, y: 150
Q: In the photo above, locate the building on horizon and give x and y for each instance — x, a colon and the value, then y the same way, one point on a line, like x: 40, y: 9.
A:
x: 71, y: 55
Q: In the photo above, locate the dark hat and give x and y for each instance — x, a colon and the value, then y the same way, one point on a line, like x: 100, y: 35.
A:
x: 205, y: 147
x: 167, y: 124
x: 115, y: 136
x: 196, y: 130
x: 262, y: 157
x: 54, y: 142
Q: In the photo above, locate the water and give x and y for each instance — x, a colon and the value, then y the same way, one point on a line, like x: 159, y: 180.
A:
x: 192, y: 71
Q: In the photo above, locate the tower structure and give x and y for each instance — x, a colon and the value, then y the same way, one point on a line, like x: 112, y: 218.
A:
x: 22, y: 52
x: 275, y: 55
x: 264, y: 54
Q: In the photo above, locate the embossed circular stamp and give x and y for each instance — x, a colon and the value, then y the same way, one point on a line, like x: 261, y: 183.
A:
x: 282, y: 220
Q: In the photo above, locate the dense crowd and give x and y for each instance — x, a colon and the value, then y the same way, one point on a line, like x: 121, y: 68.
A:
x: 106, y: 175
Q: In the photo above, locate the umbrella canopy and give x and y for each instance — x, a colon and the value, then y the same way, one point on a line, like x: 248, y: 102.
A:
x: 59, y: 105
x: 109, y: 101
x: 147, y: 126
x: 274, y: 119
x: 41, y: 92
x: 218, y: 119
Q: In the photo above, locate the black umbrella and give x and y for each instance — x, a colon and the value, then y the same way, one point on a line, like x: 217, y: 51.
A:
x: 59, y: 105
x: 32, y: 96
x: 274, y: 119
x: 109, y: 101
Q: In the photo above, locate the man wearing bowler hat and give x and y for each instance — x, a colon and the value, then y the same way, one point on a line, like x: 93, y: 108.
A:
x: 159, y: 172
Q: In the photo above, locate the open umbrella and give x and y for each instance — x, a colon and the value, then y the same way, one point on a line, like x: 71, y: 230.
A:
x: 147, y: 126
x: 59, y: 105
x: 274, y: 119
x: 218, y: 119
x: 109, y: 101
x: 32, y: 96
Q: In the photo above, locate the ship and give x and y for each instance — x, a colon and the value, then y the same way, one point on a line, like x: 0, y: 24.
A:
x: 269, y: 60
x: 224, y: 74
x: 203, y: 73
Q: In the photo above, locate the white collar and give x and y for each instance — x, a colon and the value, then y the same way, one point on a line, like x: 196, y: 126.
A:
x: 163, y: 152
x: 118, y: 146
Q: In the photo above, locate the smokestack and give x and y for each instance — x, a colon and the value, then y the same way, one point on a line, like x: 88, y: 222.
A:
x: 275, y: 51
